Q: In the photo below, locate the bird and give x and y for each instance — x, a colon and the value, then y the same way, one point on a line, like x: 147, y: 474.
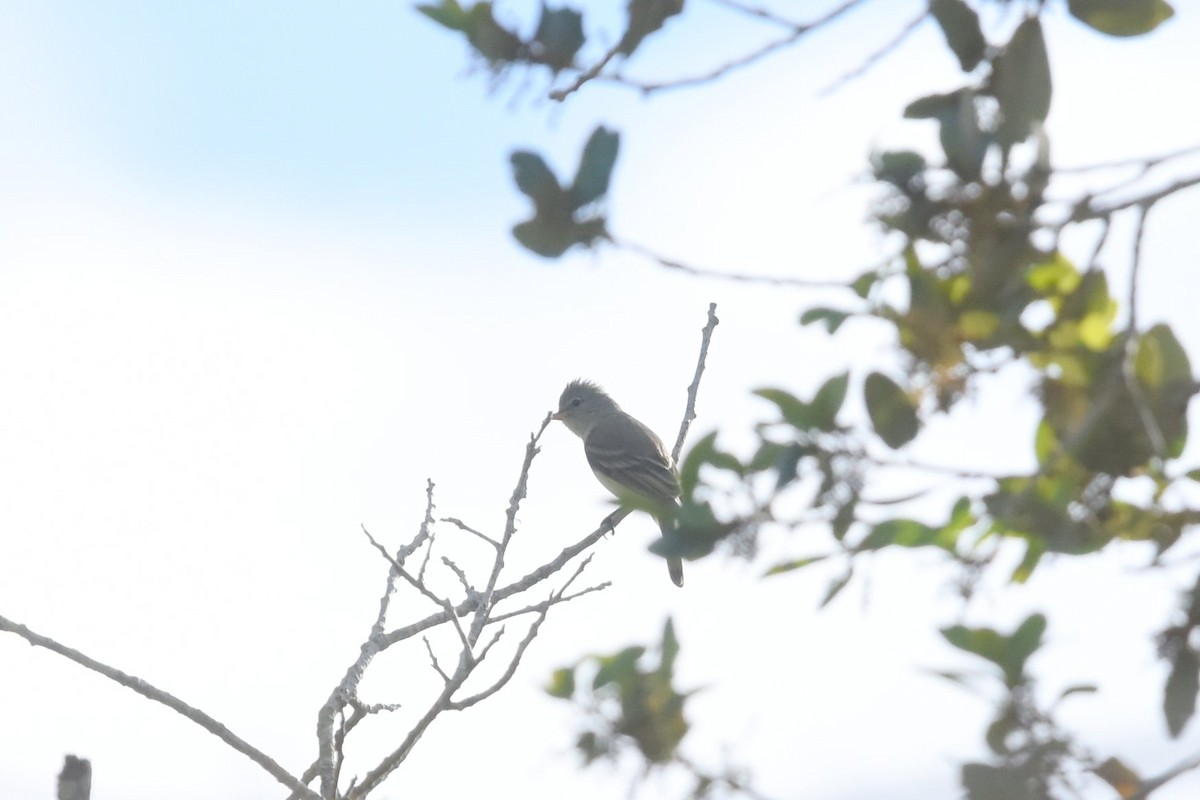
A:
x: 627, y: 458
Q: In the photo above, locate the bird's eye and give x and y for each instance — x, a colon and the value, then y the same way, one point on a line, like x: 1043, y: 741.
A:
x: 575, y: 402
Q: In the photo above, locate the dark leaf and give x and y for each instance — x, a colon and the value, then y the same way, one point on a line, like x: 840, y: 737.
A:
x: 448, y: 14
x: 551, y: 238
x: 832, y: 318
x: 595, y: 167
x: 1121, y: 17
x: 960, y: 24
x: 892, y: 413
x: 795, y: 411
x: 897, y: 168
x: 828, y: 401
x: 1183, y: 683
x: 933, y: 106
x: 1022, y: 83
x: 645, y: 17
x: 559, y: 37
x: 535, y: 179
x: 494, y: 42
x: 985, y: 782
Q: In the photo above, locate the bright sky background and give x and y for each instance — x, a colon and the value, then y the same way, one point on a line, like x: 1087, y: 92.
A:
x: 257, y: 285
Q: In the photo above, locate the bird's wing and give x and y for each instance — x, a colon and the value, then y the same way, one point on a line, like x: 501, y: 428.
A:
x: 624, y: 452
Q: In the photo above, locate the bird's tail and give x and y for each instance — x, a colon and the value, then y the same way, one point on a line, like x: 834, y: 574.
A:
x: 674, y: 565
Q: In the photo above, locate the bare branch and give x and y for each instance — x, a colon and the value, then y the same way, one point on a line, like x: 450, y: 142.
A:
x: 170, y: 701
x: 767, y: 280
x: 472, y: 595
x: 347, y: 690
x: 510, y: 528
x: 1145, y: 163
x: 878, y: 55
x: 459, y: 705
x: 538, y: 608
x: 433, y: 659
x: 458, y: 523
x: 1085, y: 209
x: 796, y: 33
x: 689, y: 413
x: 1151, y: 784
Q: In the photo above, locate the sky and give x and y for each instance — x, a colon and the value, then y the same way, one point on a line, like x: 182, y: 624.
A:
x: 257, y: 286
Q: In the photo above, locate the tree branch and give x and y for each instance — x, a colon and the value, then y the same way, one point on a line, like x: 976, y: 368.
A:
x: 170, y: 701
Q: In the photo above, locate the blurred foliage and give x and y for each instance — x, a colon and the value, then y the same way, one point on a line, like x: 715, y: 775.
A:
x: 978, y: 286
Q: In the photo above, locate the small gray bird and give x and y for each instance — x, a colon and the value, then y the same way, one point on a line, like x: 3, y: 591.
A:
x: 626, y: 456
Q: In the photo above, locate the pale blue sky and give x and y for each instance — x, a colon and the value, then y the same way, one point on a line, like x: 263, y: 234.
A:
x: 256, y: 284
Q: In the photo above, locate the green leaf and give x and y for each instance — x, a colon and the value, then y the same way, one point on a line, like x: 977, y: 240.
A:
x: 448, y: 14
x: 835, y: 588
x: 1121, y: 17
x: 1194, y: 474
x: 795, y: 411
x: 490, y: 39
x: 1034, y: 550
x: 794, y: 564
x: 1179, y: 699
x: 535, y: 179
x: 1025, y: 640
x: 559, y: 37
x: 619, y: 668
x: 983, y: 642
x: 828, y: 401
x: 897, y: 167
x: 646, y: 17
x: 892, y: 413
x: 562, y: 683
x: 595, y: 167
x: 863, y: 284
x: 1021, y: 83
x: 960, y: 24
x: 933, y: 106
x: 832, y: 318
x: 1079, y: 688
x: 700, y: 454
x: 1007, y: 652
x: 669, y: 648
x: 551, y: 237
x: 901, y: 532
x: 985, y: 782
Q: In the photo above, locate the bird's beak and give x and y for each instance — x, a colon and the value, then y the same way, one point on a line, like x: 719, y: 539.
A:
x: 558, y: 415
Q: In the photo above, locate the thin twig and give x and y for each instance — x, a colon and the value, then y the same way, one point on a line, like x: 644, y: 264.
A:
x: 1146, y: 163
x: 689, y: 413
x: 876, y: 56
x: 458, y: 523
x: 433, y: 660
x: 170, y: 701
x: 459, y: 705
x: 1151, y: 784
x: 702, y: 272
x: 794, y: 35
x: 347, y: 688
